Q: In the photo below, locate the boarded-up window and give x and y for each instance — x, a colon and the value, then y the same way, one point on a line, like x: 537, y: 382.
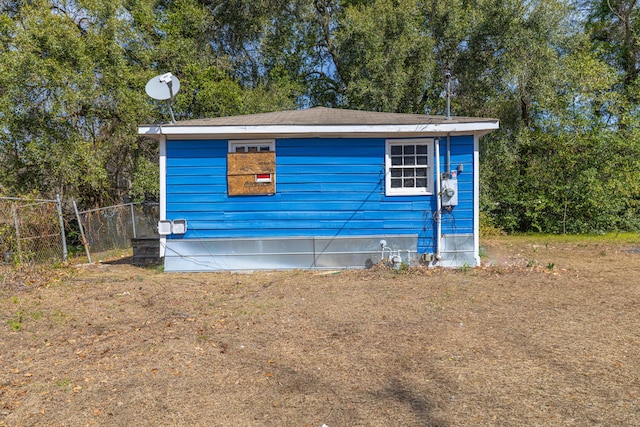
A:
x: 251, y: 173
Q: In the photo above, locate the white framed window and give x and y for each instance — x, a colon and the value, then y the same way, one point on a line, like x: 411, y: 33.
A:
x: 252, y: 146
x: 409, y: 167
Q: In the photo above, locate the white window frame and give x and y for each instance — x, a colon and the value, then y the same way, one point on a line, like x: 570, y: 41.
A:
x: 409, y: 191
x: 257, y: 143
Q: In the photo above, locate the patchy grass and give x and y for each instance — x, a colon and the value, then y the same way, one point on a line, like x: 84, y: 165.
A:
x: 514, y: 342
x: 604, y: 238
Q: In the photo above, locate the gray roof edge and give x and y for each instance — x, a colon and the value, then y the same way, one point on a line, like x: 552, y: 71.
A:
x: 323, y: 116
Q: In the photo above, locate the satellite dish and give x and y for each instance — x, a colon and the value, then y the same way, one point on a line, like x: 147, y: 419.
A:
x: 163, y: 88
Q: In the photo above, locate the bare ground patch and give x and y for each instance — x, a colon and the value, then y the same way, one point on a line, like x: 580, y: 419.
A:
x: 547, y: 335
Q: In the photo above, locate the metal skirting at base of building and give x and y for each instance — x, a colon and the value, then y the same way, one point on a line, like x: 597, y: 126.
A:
x: 458, y: 250
x: 248, y: 254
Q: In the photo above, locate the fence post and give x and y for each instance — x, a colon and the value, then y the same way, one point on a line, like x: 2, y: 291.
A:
x: 16, y: 223
x: 65, y: 254
x: 84, y: 239
x: 133, y: 221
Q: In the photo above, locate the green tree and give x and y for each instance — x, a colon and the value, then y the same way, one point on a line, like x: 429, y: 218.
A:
x: 614, y: 29
x: 561, y: 76
x: 384, y: 56
x: 72, y: 78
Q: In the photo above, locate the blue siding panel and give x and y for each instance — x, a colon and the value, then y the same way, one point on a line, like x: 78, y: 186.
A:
x: 198, y: 162
x: 202, y: 170
x: 346, y: 169
x: 188, y: 180
x: 272, y: 226
x: 324, y: 187
x: 192, y: 193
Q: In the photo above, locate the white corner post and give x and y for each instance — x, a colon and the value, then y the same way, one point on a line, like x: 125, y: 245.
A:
x: 438, y: 203
x: 476, y: 198
x: 163, y: 189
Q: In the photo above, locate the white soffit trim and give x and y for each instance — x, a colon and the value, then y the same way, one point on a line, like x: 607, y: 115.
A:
x: 177, y: 130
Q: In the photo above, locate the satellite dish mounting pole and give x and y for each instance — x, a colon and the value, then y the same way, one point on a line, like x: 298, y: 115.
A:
x: 173, y: 119
x: 447, y: 76
x: 167, y: 78
x: 164, y: 87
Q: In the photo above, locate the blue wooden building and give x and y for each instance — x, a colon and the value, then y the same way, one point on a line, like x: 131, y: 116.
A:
x: 319, y: 188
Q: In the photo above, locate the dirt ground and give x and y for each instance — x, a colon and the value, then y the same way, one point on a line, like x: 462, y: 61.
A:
x: 545, y: 333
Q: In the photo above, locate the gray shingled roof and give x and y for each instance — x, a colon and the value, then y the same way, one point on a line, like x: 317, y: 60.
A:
x: 327, y: 117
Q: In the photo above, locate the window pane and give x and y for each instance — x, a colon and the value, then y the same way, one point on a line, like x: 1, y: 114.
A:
x: 251, y: 146
x: 409, y: 165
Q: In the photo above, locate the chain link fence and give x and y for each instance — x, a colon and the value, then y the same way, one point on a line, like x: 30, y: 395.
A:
x: 31, y: 231
x: 113, y: 227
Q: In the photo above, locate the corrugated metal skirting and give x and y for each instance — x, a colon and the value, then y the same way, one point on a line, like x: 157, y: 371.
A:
x: 457, y: 251
x: 286, y: 253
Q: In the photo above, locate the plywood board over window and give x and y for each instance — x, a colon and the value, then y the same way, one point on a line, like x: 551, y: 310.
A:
x: 251, y: 173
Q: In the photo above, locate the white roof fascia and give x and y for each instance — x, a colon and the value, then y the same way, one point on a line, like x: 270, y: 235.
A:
x: 176, y: 130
